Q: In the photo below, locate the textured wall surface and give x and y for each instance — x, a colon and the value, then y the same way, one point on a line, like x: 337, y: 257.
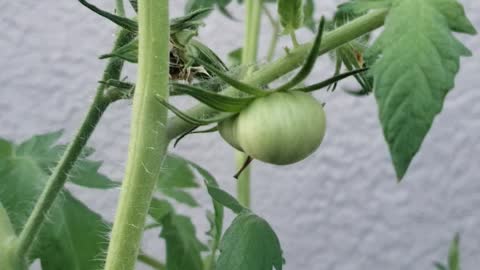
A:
x: 339, y: 209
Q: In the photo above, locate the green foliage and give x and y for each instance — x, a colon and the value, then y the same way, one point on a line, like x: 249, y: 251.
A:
x: 128, y: 52
x: 291, y: 14
x: 123, y: 22
x: 361, y: 6
x: 7, y: 236
x: 177, y: 175
x: 253, y: 238
x: 225, y: 199
x: 74, y: 236
x: 249, y: 235
x: 454, y: 254
x: 183, y: 248
x: 453, y: 262
x: 420, y: 57
x: 308, y: 12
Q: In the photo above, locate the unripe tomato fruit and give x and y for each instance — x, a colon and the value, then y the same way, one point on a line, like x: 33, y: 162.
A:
x: 281, y: 128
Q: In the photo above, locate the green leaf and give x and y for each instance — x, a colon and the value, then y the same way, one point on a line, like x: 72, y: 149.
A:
x: 456, y: 17
x: 291, y: 14
x: 225, y: 199
x: 440, y: 266
x: 44, y: 153
x: 454, y: 254
x: 215, y: 220
x: 193, y: 5
x: 126, y: 23
x: 361, y: 6
x: 159, y: 209
x: 183, y: 247
x: 180, y: 196
x: 250, y: 244
x: 187, y: 24
x: 418, y: 63
x: 85, y: 173
x: 176, y: 173
x: 73, y: 237
x: 127, y: 52
x: 235, y: 57
x: 308, y: 11
x: 5, y: 148
x: 190, y: 21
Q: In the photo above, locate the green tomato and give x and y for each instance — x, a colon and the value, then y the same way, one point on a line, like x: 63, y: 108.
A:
x: 228, y: 131
x: 281, y: 128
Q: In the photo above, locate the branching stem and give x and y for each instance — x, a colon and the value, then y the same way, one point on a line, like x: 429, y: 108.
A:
x: 274, y: 70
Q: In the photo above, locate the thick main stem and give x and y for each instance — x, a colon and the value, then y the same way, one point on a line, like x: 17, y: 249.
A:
x: 249, y: 58
x: 148, y: 139
x: 60, y: 174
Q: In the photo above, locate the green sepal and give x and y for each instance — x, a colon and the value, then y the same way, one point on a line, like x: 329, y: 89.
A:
x: 199, y: 52
x: 330, y: 81
x: 192, y: 131
x: 214, y: 100
x: 192, y: 120
x: 241, y: 86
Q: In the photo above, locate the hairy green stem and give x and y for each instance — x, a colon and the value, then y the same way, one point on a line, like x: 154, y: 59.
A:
x: 150, y: 261
x: 60, y: 174
x: 271, y: 71
x: 148, y: 139
x: 253, y: 9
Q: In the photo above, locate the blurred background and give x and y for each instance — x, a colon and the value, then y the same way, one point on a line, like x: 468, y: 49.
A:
x: 339, y: 209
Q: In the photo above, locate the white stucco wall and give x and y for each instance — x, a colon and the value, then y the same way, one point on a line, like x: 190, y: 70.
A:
x: 339, y: 209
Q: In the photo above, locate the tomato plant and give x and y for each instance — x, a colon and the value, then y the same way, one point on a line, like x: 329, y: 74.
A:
x: 409, y: 68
